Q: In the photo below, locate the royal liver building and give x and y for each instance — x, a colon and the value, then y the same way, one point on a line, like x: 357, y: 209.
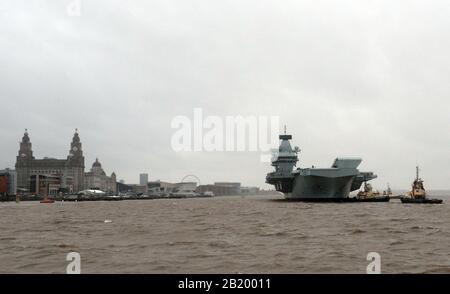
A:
x: 50, y: 176
x: 34, y: 175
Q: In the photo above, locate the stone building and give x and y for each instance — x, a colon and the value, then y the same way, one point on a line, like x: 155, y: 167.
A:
x: 98, y: 180
x: 70, y: 171
x: 221, y: 188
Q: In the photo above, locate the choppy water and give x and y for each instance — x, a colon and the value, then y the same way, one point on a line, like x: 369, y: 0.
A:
x: 224, y: 235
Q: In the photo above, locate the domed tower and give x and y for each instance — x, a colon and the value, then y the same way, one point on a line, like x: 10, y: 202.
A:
x: 23, y: 162
x: 97, y: 168
x: 75, y: 163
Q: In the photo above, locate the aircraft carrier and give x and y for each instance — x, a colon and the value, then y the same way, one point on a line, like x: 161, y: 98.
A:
x: 315, y: 184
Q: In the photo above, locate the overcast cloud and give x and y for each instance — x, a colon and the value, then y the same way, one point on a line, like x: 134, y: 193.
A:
x: 348, y: 78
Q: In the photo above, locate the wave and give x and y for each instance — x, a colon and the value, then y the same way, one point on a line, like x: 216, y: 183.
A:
x: 357, y: 231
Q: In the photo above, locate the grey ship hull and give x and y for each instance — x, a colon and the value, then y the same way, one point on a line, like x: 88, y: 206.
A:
x: 320, y: 188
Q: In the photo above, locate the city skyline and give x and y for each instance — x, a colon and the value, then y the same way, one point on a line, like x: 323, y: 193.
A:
x: 76, y: 146
x: 362, y: 79
x: 137, y: 177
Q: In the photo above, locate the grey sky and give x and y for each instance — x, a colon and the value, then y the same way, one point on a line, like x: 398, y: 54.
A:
x: 349, y: 78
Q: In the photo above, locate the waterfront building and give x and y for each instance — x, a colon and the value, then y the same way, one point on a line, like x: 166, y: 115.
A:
x: 46, y: 185
x: 97, y: 179
x: 230, y: 188
x: 50, y: 176
x: 69, y: 171
x: 221, y: 188
x: 143, y: 181
x: 250, y: 190
x: 123, y: 188
x: 160, y: 187
x: 185, y: 187
x: 139, y: 189
x: 8, y: 182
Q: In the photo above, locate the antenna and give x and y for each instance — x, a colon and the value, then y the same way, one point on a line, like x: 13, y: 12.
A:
x: 417, y: 173
x: 285, y: 129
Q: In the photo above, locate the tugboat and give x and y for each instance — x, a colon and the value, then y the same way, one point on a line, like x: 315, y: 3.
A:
x: 370, y: 195
x: 418, y: 194
x: 388, y: 192
x: 46, y: 200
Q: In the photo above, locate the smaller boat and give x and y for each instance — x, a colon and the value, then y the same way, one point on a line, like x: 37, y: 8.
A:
x: 373, y: 199
x: 388, y: 192
x: 418, y: 195
x: 368, y: 192
x: 46, y: 200
x: 421, y: 200
x: 370, y: 195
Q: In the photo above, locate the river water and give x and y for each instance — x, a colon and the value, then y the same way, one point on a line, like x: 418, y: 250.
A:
x: 257, y: 234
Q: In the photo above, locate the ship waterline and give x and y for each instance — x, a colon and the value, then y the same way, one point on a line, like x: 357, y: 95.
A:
x: 257, y: 234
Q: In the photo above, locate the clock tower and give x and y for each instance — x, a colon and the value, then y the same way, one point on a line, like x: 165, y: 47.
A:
x: 75, y: 163
x: 75, y: 146
x: 24, y: 161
